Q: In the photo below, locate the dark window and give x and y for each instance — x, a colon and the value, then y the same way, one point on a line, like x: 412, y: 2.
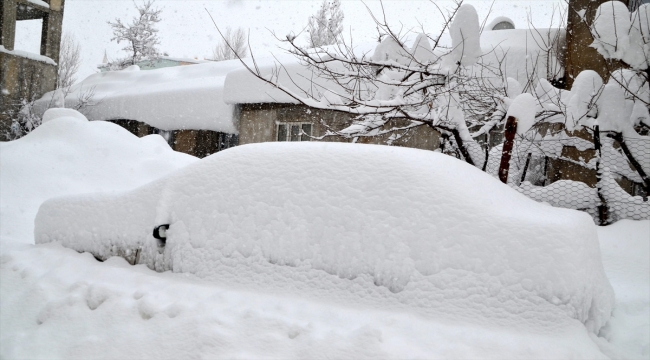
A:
x: 504, y: 25
x: 282, y: 132
x: 294, y: 131
x: 306, y: 129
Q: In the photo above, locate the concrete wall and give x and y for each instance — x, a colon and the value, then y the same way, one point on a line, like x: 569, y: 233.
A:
x: 21, y: 79
x: 199, y: 143
x: 579, y: 56
x: 258, y: 123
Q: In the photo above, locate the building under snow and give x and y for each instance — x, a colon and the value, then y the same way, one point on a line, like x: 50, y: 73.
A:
x: 203, y: 108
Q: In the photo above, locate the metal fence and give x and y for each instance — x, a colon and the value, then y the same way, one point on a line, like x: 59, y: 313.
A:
x: 603, y: 174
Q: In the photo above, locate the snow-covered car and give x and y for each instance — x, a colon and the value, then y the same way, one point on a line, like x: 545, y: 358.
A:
x: 415, y: 227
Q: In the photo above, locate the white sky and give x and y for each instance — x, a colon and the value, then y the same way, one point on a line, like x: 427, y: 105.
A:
x: 187, y: 31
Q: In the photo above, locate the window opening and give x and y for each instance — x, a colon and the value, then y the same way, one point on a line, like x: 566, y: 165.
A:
x: 294, y: 131
x: 504, y: 25
x: 28, y: 35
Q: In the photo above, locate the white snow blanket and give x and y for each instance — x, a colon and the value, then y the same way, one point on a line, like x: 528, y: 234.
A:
x: 69, y: 155
x: 526, y: 55
x: 173, y: 98
x: 406, y: 227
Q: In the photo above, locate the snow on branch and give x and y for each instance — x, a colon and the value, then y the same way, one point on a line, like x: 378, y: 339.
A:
x: 621, y: 35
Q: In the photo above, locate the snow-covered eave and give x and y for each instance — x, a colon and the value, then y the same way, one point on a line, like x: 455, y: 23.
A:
x: 28, y: 55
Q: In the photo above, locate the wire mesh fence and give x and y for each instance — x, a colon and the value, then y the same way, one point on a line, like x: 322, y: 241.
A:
x: 603, y: 174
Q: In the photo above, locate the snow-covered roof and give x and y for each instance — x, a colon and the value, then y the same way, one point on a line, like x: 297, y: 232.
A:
x: 523, y: 51
x: 173, y: 98
x: 202, y: 96
x: 242, y: 87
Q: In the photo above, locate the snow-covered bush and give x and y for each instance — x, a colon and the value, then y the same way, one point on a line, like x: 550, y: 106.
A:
x: 29, y: 116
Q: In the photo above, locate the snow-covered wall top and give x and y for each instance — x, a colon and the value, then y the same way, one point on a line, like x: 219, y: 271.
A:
x: 181, y: 97
x: 28, y: 55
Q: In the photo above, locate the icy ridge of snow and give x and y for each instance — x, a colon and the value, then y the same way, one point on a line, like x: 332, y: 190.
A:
x: 449, y: 234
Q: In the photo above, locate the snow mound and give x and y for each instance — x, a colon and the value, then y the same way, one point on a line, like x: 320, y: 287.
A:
x: 426, y: 228
x: 55, y: 113
x: 70, y: 155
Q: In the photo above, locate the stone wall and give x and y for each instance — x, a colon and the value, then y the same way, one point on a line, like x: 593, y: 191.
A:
x: 579, y: 55
x: 199, y: 143
x: 258, y: 123
x: 21, y: 80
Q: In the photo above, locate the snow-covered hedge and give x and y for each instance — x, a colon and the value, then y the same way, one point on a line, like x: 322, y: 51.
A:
x: 426, y: 228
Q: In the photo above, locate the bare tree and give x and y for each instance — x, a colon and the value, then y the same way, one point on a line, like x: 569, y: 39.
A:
x: 140, y: 35
x: 231, y: 46
x: 69, y: 61
x: 396, y: 89
x: 326, y: 25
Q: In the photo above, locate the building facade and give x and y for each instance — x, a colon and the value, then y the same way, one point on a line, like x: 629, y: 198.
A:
x: 24, y: 76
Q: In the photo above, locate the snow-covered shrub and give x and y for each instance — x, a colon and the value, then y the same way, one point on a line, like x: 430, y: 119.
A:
x: 28, y: 118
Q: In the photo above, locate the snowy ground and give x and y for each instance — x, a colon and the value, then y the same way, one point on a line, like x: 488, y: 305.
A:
x: 57, y: 303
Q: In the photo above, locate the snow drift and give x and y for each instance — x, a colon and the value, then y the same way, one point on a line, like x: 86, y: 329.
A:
x: 411, y: 221
x: 70, y: 155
